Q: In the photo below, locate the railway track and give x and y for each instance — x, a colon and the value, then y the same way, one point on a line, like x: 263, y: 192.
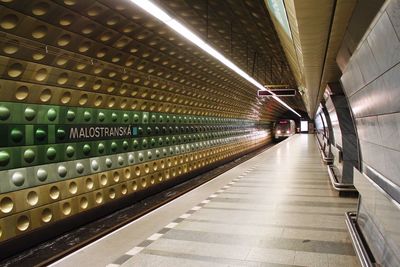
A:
x: 55, y: 249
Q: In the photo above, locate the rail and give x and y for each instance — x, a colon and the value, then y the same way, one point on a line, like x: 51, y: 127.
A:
x: 341, y: 187
x: 326, y: 159
x: 358, y: 244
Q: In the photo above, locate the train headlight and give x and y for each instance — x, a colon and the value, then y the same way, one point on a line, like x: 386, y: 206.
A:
x: 278, y: 131
x: 287, y: 131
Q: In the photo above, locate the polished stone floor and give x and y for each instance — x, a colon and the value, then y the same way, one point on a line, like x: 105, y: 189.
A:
x: 276, y: 209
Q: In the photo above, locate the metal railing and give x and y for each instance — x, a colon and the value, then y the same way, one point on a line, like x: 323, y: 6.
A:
x: 358, y: 244
x: 328, y: 160
x: 341, y: 187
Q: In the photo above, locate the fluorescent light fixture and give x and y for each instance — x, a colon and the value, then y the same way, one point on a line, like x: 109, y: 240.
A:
x: 279, y: 11
x: 185, y: 32
x: 153, y: 9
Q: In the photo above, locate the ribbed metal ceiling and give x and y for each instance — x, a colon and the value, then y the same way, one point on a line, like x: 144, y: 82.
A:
x: 317, y: 29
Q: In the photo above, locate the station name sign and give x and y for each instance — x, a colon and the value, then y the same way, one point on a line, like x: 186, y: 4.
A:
x: 99, y: 132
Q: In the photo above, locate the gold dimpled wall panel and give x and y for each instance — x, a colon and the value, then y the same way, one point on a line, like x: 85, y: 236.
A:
x: 99, y: 102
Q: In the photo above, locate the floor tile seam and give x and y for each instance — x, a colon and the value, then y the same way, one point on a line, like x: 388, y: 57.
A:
x: 285, y: 212
x: 276, y: 187
x: 295, y: 252
x: 137, y: 249
x: 304, y: 204
x: 344, y: 230
x: 284, y: 182
x: 295, y: 181
x: 265, y: 243
x: 316, y: 174
x: 159, y: 252
x: 273, y: 181
x: 210, y: 258
x: 267, y: 203
x: 269, y: 235
x: 335, y: 197
x: 250, y: 198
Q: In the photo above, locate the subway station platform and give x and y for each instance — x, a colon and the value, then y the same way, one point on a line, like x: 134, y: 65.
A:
x: 276, y: 209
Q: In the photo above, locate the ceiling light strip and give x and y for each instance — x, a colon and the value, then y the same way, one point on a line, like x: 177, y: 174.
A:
x: 185, y: 32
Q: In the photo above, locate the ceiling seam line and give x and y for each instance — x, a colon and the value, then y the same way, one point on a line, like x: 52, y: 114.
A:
x: 294, y: 46
x: 326, y: 51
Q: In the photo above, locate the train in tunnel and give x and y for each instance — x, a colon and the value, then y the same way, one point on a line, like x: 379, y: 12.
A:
x: 284, y: 128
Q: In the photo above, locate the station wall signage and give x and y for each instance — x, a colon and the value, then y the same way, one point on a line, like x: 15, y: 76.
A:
x: 99, y: 132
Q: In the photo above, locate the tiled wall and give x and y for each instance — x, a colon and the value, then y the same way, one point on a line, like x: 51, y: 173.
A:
x: 372, y: 84
x: 371, y: 81
x: 376, y: 211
